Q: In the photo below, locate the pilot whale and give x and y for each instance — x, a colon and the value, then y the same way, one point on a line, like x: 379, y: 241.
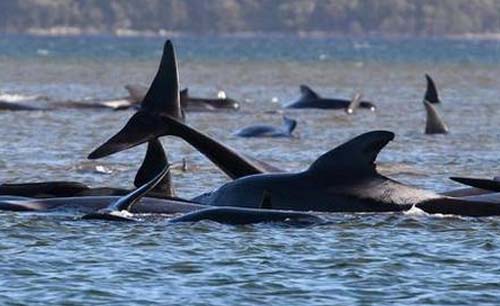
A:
x: 261, y: 130
x: 197, y: 104
x: 310, y: 99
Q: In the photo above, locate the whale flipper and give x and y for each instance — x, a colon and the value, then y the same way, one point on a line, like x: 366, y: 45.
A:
x: 308, y: 93
x: 434, y: 122
x: 431, y: 93
x: 486, y: 184
x: 154, y: 161
x: 125, y: 203
x: 353, y: 158
x: 290, y: 124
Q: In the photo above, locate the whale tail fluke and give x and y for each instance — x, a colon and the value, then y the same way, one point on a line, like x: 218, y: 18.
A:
x: 290, y: 124
x: 307, y: 93
x: 125, y: 203
x: 434, y: 123
x: 162, y: 99
x: 154, y: 161
x: 355, y: 158
x: 431, y: 93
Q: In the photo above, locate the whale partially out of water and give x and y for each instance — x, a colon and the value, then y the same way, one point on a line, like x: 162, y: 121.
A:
x: 310, y: 99
x: 262, y: 130
x: 342, y: 180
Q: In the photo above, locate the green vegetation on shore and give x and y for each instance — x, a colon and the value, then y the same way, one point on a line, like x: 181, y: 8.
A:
x: 333, y: 17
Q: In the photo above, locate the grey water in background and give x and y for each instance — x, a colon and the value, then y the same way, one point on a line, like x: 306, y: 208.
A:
x: 359, y: 259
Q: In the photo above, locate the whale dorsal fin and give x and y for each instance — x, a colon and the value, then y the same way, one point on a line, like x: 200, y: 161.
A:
x: 137, y: 92
x: 434, y: 122
x: 266, y: 200
x: 308, y: 93
x: 154, y: 161
x: 290, y: 124
x: 354, y: 158
x: 431, y: 94
x: 163, y: 94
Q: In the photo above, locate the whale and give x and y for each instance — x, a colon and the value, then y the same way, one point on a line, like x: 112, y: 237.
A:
x: 434, y: 121
x: 154, y: 160
x: 342, y: 180
x: 15, y: 106
x: 119, y: 210
x: 431, y: 92
x: 160, y: 114
x: 261, y: 130
x: 197, y: 104
x: 310, y: 99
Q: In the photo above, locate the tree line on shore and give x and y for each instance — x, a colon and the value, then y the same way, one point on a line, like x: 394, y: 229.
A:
x: 336, y: 17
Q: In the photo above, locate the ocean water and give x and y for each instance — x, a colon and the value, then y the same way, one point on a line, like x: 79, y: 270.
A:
x: 357, y: 259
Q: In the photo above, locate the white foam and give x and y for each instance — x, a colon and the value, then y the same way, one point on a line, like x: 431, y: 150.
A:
x: 16, y: 97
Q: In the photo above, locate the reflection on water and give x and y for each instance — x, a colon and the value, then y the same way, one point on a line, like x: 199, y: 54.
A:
x: 359, y: 258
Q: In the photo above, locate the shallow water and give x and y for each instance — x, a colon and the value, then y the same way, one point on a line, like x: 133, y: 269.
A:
x: 356, y: 259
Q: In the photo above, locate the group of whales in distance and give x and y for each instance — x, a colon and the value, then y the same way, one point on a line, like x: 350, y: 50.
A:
x: 136, y: 94
x: 344, y: 179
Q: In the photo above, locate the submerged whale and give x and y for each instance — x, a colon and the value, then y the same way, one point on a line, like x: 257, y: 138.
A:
x: 311, y: 99
x: 261, y: 130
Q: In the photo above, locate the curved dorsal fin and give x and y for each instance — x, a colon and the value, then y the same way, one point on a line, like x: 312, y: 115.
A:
x: 266, y: 200
x: 163, y: 95
x: 431, y: 93
x: 137, y: 92
x: 290, y: 124
x: 355, y: 157
x: 434, y: 122
x: 126, y: 202
x: 308, y: 93
x: 154, y: 161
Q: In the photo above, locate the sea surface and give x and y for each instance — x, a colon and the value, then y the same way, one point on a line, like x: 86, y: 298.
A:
x: 357, y: 259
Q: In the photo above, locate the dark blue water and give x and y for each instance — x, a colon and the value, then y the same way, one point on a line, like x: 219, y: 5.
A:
x: 279, y: 48
x: 358, y: 259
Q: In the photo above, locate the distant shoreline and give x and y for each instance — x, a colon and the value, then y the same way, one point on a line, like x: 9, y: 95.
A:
x: 72, y: 31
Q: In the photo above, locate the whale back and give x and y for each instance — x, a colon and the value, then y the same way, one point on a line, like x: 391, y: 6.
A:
x: 154, y: 161
x: 434, y: 123
x: 431, y: 94
x: 353, y: 159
